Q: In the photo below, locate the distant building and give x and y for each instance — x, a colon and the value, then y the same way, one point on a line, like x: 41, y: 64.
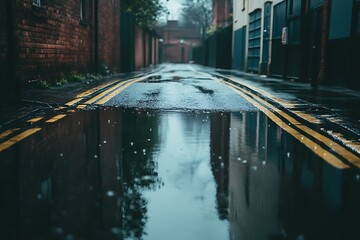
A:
x: 178, y: 40
x: 316, y: 41
x: 222, y: 12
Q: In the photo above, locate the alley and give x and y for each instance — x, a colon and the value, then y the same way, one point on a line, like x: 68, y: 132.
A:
x: 182, y: 152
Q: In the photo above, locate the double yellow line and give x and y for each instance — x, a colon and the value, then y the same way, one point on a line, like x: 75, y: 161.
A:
x: 99, y: 99
x: 273, y: 113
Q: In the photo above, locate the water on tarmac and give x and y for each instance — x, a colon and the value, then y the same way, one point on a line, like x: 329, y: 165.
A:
x: 125, y: 173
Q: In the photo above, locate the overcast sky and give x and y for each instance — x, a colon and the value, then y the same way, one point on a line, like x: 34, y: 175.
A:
x: 174, y: 7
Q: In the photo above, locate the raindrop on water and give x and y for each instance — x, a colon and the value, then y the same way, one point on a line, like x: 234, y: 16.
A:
x: 288, y: 154
x: 104, y: 141
x: 110, y: 193
x: 244, y: 161
x: 254, y: 168
x: 220, y: 157
x: 109, y: 121
x: 358, y: 177
x: 95, y: 156
x: 39, y: 196
x: 222, y: 165
x: 61, y: 155
x: 149, y: 140
x: 239, y: 158
x: 116, y: 231
x: 69, y: 237
x: 132, y: 144
x: 58, y: 230
x: 264, y: 163
x: 135, y: 152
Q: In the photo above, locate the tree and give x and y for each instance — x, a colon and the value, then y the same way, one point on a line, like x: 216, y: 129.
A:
x: 198, y: 13
x: 145, y: 12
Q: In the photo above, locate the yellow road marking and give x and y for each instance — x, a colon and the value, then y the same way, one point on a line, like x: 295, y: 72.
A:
x: 81, y: 106
x: 18, y: 138
x: 314, y: 147
x: 327, y: 141
x: 114, y: 93
x: 97, y: 97
x: 8, y: 132
x: 56, y: 118
x: 81, y: 96
x: 73, y: 102
x: 280, y: 101
x: 34, y: 120
x: 91, y: 91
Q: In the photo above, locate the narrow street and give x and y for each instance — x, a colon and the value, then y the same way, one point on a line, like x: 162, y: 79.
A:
x: 184, y: 152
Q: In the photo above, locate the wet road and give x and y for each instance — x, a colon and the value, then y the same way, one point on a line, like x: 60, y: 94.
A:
x: 181, y: 87
x: 177, y: 157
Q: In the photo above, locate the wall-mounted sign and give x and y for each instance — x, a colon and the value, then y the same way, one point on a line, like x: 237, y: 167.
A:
x: 284, y: 35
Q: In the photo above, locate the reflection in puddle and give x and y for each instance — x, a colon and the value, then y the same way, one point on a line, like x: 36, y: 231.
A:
x: 133, y: 174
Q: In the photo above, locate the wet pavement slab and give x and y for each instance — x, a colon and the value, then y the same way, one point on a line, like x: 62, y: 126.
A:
x: 126, y: 173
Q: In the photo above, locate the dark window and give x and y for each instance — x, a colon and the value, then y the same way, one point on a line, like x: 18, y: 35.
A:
x: 254, y: 40
x: 278, y: 19
x: 82, y: 10
x: 291, y: 7
x: 38, y: 3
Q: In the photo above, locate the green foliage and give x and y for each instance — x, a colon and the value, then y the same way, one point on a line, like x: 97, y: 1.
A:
x: 76, y: 78
x: 145, y: 12
x: 104, y: 69
x: 61, y: 80
x: 41, y: 84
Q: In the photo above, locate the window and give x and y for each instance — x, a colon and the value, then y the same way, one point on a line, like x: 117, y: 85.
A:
x: 291, y: 7
x: 82, y: 10
x: 38, y: 3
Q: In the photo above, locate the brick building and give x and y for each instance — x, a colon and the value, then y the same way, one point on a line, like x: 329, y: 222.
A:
x: 41, y: 39
x: 178, y: 41
x: 222, y: 12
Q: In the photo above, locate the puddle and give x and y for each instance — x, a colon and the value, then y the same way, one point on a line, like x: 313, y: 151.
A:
x: 116, y: 173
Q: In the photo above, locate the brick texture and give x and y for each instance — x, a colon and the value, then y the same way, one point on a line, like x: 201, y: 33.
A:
x: 3, y: 43
x: 51, y: 39
x: 109, y: 33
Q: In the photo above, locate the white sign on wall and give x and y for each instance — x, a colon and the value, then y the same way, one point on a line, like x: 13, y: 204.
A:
x: 284, y: 35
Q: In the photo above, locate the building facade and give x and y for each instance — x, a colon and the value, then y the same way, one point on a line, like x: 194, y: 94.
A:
x: 178, y: 40
x: 315, y: 41
x: 42, y: 39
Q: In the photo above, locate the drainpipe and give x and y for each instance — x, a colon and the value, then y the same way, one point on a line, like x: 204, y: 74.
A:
x: 324, y: 38
x: 14, y: 88
x: 305, y: 40
x: 96, y: 35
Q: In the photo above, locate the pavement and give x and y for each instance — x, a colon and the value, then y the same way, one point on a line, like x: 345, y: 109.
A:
x: 35, y: 101
x: 337, y: 109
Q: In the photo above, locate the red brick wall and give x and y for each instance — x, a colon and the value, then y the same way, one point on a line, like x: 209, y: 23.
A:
x: 3, y: 44
x: 109, y: 33
x: 52, y: 40
x: 139, y: 48
x: 3, y: 31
